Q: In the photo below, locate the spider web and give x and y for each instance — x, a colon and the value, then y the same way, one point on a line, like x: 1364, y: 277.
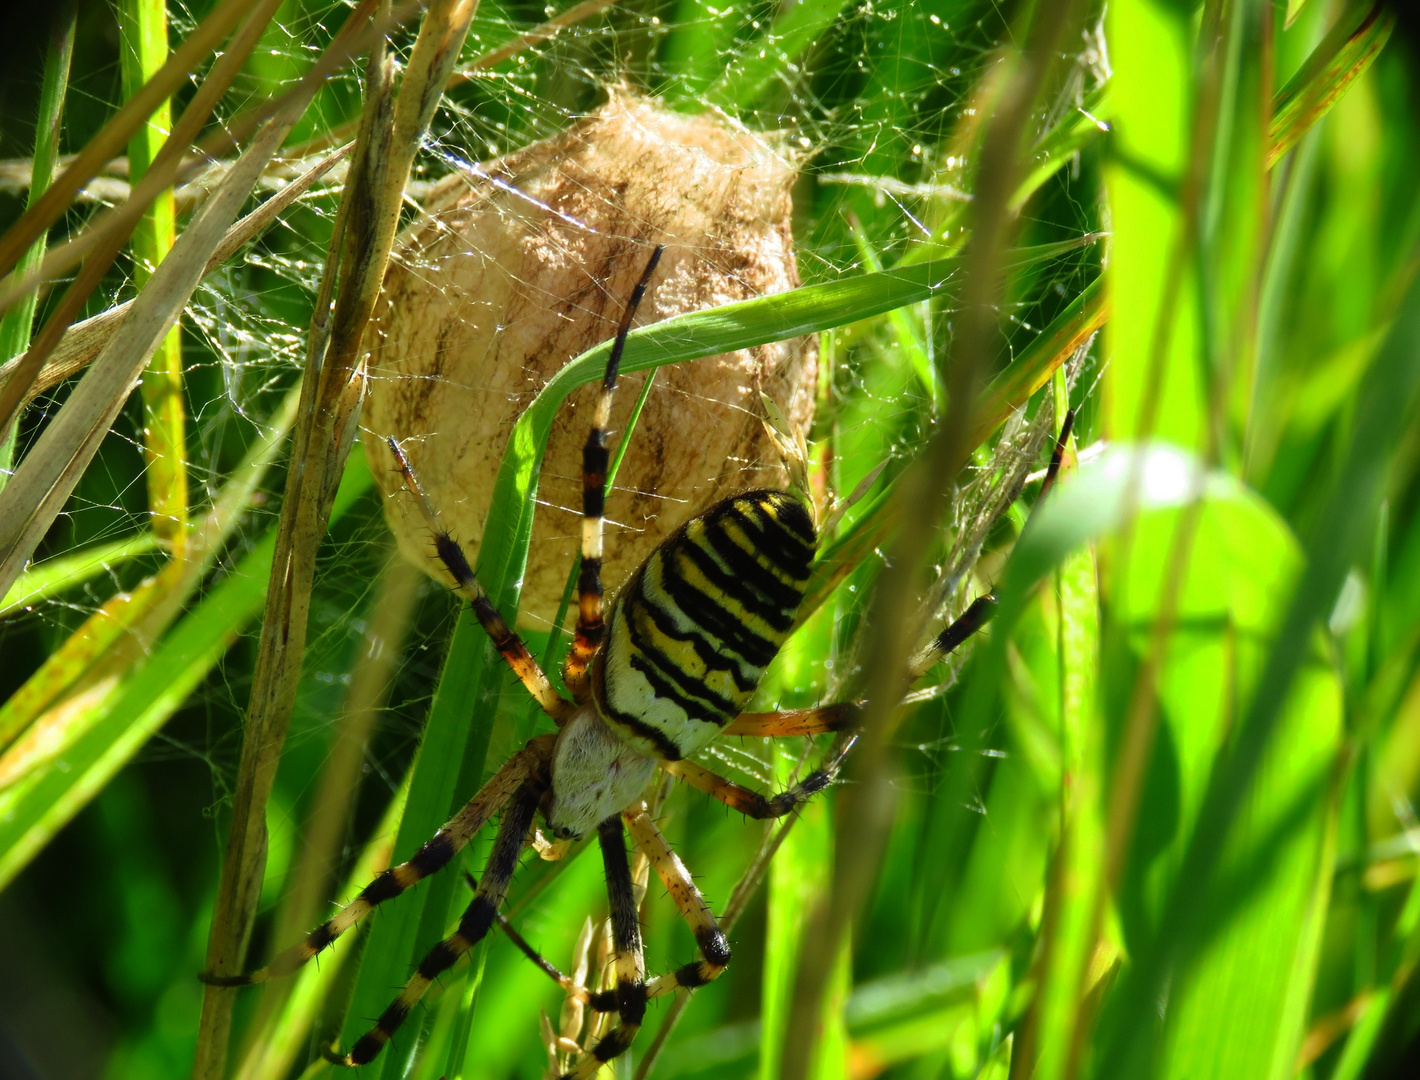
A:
x: 873, y: 107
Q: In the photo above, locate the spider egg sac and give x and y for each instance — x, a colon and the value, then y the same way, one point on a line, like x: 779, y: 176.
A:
x: 518, y: 266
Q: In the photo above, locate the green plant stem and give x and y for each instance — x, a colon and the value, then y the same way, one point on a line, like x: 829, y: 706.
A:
x: 144, y: 51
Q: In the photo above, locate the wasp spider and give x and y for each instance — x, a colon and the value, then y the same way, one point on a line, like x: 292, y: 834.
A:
x: 669, y: 669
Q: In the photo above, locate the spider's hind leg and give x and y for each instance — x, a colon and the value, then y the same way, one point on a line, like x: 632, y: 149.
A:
x: 709, y: 939
x: 630, y: 963
x: 473, y: 924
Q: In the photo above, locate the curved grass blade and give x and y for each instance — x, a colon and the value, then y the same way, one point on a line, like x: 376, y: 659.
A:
x: 1191, y: 916
x: 45, y: 580
x: 806, y: 310
x: 87, y: 668
x: 34, y: 809
x: 1343, y: 56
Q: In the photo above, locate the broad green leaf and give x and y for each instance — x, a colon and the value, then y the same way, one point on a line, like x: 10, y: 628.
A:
x: 1155, y: 387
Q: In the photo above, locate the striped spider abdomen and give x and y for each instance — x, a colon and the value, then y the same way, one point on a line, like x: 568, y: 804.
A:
x: 693, y: 630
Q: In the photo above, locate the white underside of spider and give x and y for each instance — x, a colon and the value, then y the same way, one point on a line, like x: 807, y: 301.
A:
x: 595, y: 775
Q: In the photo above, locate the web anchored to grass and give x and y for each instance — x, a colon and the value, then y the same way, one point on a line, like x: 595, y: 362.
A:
x: 1173, y: 781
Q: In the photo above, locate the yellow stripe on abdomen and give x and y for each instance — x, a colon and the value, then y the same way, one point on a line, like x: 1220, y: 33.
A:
x: 693, y: 631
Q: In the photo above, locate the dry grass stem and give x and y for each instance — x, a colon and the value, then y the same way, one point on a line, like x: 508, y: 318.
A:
x: 391, y: 133
x: 382, y: 647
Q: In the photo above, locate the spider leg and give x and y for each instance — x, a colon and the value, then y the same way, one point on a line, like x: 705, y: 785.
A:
x: 630, y: 964
x: 595, y: 457
x: 751, y: 803
x: 432, y: 857
x: 473, y: 924
x: 714, y: 949
x: 979, y: 613
x: 508, y: 644
x: 824, y: 718
x: 596, y: 1000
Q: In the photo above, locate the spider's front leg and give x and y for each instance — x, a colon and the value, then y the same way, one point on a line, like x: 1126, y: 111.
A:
x: 432, y: 857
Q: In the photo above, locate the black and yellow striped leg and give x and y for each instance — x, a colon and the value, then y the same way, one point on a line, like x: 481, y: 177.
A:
x: 977, y: 615
x: 432, y: 857
x: 752, y: 803
x: 595, y: 460
x: 714, y: 949
x: 630, y: 964
x: 473, y: 925
x: 508, y: 644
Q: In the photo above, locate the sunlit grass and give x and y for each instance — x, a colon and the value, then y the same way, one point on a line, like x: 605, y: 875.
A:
x: 1157, y: 821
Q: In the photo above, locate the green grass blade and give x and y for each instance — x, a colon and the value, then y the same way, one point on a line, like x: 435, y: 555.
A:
x: 1343, y: 56
x: 143, y: 27
x: 47, y: 579
x: 687, y: 337
x: 34, y: 809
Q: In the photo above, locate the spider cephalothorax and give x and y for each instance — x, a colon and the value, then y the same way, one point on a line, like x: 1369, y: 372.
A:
x: 681, y: 653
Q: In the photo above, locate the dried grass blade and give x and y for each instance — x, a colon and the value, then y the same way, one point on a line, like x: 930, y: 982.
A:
x: 116, y: 133
x: 118, y: 636
x: 391, y: 133
x: 84, y: 341
x: 99, y: 244
x: 18, y: 322
x: 545, y: 31
x: 48, y: 474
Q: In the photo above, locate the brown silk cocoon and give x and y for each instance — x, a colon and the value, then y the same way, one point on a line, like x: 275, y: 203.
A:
x: 510, y: 274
